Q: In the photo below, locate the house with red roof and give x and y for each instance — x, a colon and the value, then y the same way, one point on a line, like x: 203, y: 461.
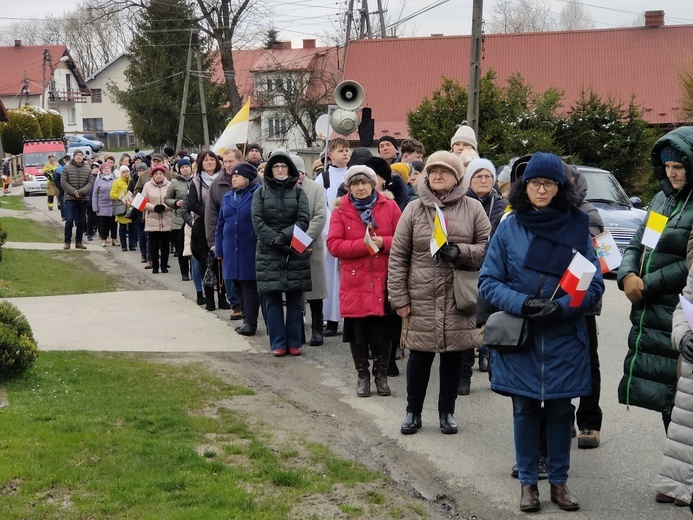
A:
x: 45, y: 76
x: 289, y: 89
x: 398, y: 73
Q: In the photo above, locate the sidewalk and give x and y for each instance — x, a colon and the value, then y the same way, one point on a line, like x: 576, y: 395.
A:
x: 166, y: 320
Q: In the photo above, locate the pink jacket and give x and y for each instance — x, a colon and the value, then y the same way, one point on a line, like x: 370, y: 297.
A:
x: 363, y: 278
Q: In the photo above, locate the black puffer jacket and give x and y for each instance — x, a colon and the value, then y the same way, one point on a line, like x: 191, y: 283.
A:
x: 649, y: 379
x: 276, y: 208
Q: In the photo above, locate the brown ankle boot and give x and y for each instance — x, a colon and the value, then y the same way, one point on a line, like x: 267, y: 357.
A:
x: 529, y: 498
x: 381, y: 362
x: 360, y: 355
x: 562, y: 498
x: 364, y: 387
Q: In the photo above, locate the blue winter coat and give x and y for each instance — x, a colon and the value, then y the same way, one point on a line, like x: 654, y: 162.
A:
x: 557, y: 365
x: 235, y: 238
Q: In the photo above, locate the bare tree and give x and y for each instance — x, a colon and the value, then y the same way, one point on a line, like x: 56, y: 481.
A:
x: 517, y: 16
x: 299, y: 96
x: 90, y: 48
x: 574, y: 16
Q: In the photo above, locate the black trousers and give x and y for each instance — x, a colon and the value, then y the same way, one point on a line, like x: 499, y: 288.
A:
x: 178, y: 237
x: 159, y: 246
x: 589, y: 414
x: 419, y: 373
x: 107, y: 226
x: 249, y: 300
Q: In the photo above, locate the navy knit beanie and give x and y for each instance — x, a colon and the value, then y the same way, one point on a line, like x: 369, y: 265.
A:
x: 670, y: 154
x: 544, y: 165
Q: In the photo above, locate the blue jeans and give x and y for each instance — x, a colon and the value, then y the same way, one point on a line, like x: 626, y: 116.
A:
x: 231, y: 296
x: 198, y: 271
x: 282, y: 334
x: 76, y: 214
x: 137, y: 228
x: 559, y: 425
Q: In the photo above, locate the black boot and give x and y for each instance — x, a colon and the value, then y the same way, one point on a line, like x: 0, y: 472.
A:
x: 483, y: 360
x: 411, y: 424
x: 209, y: 299
x: 316, y: 337
x: 331, y: 329
x: 200, y: 298
x: 393, y: 369
x: 381, y: 360
x: 360, y: 355
x: 464, y: 385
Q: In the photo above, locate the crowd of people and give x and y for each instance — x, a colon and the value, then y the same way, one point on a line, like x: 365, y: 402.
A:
x: 355, y: 240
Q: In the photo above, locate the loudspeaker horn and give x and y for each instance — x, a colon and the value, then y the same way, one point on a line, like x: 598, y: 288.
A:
x: 349, y: 95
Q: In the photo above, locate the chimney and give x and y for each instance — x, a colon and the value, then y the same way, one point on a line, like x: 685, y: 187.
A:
x: 308, y: 44
x: 18, y: 43
x: 654, y: 18
x: 281, y: 46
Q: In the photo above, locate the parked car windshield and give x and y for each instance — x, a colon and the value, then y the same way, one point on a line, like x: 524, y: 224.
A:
x: 603, y: 187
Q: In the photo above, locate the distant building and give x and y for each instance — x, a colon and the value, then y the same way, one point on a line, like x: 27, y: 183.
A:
x: 45, y: 76
x: 101, y: 113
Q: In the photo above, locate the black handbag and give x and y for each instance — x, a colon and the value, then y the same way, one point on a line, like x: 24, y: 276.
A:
x: 509, y: 333
x: 506, y: 333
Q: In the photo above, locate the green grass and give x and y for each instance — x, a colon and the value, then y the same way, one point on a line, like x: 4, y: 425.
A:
x: 49, y: 273
x: 12, y: 202
x: 27, y: 230
x: 93, y: 435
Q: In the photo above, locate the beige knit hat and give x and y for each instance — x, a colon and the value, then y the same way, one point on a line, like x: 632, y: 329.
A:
x: 464, y: 134
x: 360, y: 170
x: 447, y: 160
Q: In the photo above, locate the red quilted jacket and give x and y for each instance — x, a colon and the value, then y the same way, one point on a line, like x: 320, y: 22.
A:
x: 363, y: 278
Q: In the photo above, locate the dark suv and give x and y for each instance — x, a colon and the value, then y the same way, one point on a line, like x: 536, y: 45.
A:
x: 621, y: 215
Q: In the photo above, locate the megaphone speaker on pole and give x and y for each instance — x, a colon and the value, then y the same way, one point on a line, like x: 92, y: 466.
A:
x: 348, y: 95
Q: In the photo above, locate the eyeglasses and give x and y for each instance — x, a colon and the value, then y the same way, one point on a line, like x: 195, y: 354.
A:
x: 535, y: 184
x: 280, y: 167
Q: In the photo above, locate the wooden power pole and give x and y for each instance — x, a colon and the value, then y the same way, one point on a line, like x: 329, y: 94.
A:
x: 184, y: 101
x: 203, y: 101
x: 475, y: 67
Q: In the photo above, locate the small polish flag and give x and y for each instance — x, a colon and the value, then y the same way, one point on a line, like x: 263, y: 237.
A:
x: 653, y: 229
x: 300, y: 239
x: 576, y: 280
x: 370, y: 245
x: 607, y: 252
x: 139, y: 202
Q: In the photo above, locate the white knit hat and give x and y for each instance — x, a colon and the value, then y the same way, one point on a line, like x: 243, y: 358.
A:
x: 464, y: 134
x: 359, y: 169
x: 478, y: 165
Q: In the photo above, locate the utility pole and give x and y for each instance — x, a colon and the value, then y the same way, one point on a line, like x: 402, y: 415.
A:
x: 203, y: 101
x: 381, y: 13
x: 184, y: 101
x: 47, y: 60
x: 349, y: 20
x: 24, y: 93
x: 475, y: 67
x: 365, y: 20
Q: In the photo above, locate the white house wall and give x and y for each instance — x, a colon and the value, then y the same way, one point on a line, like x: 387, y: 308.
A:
x: 114, y: 116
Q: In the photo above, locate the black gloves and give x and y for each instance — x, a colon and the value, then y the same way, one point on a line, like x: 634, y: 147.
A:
x: 687, y: 347
x: 542, y: 310
x: 159, y: 208
x: 277, y: 242
x: 449, y: 252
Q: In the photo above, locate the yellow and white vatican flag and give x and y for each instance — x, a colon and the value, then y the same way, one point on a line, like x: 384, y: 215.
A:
x: 236, y: 131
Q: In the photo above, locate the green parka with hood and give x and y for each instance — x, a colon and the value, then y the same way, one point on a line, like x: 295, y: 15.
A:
x: 277, y: 207
x: 649, y: 379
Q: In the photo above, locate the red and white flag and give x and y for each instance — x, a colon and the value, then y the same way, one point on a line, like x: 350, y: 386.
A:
x: 139, y: 202
x: 370, y: 245
x: 300, y: 239
x: 576, y: 280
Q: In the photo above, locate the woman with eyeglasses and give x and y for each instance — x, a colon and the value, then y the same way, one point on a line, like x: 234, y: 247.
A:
x: 281, y: 271
x: 528, y: 254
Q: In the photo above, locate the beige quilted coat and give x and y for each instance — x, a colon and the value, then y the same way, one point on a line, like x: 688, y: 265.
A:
x: 416, y: 278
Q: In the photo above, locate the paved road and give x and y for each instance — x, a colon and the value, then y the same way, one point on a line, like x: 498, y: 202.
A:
x: 611, y: 482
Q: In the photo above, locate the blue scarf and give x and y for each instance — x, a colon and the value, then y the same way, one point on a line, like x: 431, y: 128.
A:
x: 365, y: 207
x: 556, y: 235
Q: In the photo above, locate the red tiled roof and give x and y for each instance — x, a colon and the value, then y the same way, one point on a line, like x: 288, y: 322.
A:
x: 397, y: 74
x: 18, y: 60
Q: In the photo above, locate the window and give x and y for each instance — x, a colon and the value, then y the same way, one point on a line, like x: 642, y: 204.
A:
x: 68, y: 82
x: 276, y: 128
x: 71, y: 116
x: 96, y: 95
x: 93, y: 124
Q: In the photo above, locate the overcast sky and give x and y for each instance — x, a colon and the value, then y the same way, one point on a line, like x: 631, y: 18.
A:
x: 297, y: 19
